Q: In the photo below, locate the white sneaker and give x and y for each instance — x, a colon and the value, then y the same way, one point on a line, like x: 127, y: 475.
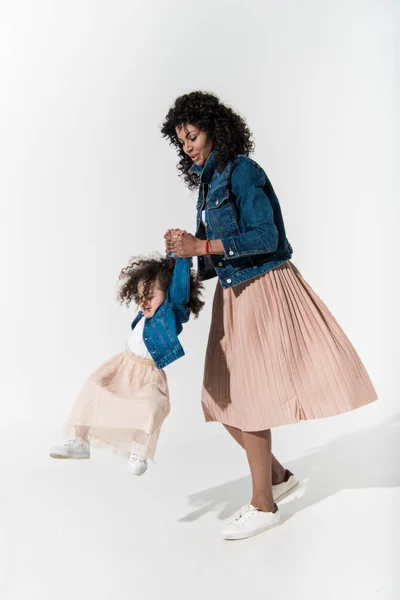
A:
x: 137, y: 465
x: 281, y: 490
x: 249, y: 521
x: 75, y: 448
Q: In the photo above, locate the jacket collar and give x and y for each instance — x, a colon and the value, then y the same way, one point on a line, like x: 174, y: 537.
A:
x: 207, y: 170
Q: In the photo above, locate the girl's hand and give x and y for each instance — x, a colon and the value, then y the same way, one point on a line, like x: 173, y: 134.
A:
x: 185, y: 245
x: 170, y: 237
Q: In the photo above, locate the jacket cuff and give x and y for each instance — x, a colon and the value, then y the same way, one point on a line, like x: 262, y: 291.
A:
x: 230, y: 248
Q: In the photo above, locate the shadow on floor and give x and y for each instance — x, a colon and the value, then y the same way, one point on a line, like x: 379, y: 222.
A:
x: 369, y: 458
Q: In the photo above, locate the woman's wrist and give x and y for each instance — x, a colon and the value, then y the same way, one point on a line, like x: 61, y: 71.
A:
x: 207, y: 247
x: 201, y: 247
x: 215, y: 247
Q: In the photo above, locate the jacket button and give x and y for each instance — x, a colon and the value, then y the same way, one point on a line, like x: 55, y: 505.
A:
x: 205, y: 224
x: 229, y: 281
x: 220, y: 264
x: 230, y: 252
x: 217, y: 202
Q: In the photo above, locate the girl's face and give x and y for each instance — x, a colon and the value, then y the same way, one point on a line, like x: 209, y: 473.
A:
x: 149, y: 304
x: 195, y: 142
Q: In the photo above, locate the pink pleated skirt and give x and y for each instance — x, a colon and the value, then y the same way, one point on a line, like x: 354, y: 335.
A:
x: 122, y: 406
x: 276, y: 356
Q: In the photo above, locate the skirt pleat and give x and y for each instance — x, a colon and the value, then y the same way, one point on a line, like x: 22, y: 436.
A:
x: 276, y: 356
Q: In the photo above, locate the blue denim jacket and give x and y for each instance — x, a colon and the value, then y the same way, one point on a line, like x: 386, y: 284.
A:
x: 161, y: 332
x: 242, y: 210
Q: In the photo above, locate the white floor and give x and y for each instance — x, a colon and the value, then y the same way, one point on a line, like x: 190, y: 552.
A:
x: 88, y: 530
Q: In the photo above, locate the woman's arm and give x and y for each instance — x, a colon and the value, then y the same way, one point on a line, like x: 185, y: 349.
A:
x: 261, y: 235
x: 186, y: 245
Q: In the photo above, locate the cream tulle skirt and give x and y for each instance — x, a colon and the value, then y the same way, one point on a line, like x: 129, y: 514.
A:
x: 122, y: 405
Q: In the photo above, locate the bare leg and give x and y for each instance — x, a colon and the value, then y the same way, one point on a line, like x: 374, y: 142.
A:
x: 258, y: 450
x: 278, y: 471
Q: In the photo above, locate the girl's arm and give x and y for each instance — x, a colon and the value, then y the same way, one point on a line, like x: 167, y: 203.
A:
x: 179, y: 288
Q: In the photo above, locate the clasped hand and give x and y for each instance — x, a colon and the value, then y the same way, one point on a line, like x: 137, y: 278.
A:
x: 182, y: 243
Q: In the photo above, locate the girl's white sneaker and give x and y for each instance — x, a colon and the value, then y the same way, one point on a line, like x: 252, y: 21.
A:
x: 249, y: 521
x: 137, y: 465
x: 75, y: 448
x: 282, y: 490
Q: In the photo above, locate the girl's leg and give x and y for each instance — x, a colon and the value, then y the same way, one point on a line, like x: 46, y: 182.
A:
x: 278, y: 471
x: 258, y: 449
x: 81, y: 432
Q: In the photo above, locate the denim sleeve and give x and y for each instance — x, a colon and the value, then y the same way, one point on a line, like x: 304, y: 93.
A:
x: 261, y: 235
x: 179, y: 288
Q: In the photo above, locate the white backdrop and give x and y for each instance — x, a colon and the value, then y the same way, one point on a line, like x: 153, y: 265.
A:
x: 87, y: 181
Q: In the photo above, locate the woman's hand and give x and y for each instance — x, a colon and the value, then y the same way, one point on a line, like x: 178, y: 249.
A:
x: 170, y: 237
x: 185, y: 245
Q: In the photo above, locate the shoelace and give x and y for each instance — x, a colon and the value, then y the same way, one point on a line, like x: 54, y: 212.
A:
x: 136, y: 457
x: 75, y: 441
x: 71, y: 442
x: 241, y: 512
x: 242, y: 516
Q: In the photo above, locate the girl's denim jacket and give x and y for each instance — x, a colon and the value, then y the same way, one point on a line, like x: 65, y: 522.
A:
x: 242, y: 210
x: 161, y: 332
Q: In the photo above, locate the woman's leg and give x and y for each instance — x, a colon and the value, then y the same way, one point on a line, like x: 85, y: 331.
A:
x: 278, y: 471
x: 258, y: 449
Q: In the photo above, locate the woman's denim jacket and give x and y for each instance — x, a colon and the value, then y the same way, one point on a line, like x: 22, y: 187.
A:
x: 161, y: 332
x: 242, y: 210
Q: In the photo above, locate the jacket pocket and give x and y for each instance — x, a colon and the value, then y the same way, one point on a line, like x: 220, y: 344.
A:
x: 222, y: 214
x: 219, y: 200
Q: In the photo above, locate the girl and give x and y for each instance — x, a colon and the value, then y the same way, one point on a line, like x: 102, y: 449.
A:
x: 125, y: 401
x: 276, y: 355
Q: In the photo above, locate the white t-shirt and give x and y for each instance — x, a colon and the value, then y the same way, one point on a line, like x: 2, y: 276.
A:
x: 136, y: 343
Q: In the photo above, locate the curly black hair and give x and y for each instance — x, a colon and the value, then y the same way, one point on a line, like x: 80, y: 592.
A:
x: 148, y: 271
x: 228, y: 131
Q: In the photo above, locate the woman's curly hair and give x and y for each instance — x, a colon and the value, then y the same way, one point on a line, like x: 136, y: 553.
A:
x: 148, y: 271
x: 228, y: 131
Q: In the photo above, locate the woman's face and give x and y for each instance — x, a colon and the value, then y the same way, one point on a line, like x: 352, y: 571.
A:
x: 195, y: 142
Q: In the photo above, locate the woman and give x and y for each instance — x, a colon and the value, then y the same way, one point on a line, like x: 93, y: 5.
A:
x: 275, y: 354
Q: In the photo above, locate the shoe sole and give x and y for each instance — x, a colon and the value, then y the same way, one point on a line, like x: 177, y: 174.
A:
x: 137, y: 474
x: 286, y: 493
x: 244, y: 536
x: 62, y: 457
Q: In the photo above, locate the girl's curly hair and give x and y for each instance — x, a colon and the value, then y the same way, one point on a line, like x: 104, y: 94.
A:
x: 228, y: 131
x: 149, y: 271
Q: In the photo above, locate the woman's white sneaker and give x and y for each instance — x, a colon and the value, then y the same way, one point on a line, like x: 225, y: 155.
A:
x: 281, y: 490
x: 137, y: 465
x: 249, y: 521
x: 75, y: 448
